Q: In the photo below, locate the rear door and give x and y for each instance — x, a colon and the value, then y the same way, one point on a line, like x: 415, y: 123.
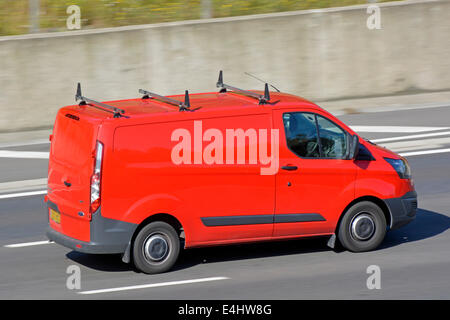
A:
x: 71, y: 165
x: 314, y: 181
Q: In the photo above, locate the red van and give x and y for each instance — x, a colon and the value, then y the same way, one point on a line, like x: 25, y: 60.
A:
x: 146, y: 177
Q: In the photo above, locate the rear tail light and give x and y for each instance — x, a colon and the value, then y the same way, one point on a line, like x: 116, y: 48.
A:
x: 96, y: 178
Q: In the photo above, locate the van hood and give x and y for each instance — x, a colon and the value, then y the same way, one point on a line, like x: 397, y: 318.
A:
x: 381, y: 151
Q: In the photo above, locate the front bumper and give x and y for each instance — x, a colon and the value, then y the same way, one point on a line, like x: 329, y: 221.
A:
x: 106, y: 235
x: 403, y: 210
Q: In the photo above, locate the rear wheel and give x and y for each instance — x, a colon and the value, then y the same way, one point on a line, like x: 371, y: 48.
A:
x: 363, y: 227
x: 156, y: 248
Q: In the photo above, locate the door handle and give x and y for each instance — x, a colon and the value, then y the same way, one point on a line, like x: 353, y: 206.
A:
x: 289, y: 168
x: 68, y: 184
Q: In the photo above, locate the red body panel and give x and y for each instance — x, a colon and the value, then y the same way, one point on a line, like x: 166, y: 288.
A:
x: 376, y: 178
x: 140, y: 179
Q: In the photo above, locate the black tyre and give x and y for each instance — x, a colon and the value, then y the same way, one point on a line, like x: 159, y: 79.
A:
x: 156, y: 248
x: 363, y: 227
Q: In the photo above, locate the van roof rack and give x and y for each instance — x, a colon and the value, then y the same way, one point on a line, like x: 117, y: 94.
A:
x: 263, y: 99
x: 182, y: 106
x: 86, y: 101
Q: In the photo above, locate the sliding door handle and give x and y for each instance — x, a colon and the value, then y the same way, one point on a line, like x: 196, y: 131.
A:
x: 289, y: 168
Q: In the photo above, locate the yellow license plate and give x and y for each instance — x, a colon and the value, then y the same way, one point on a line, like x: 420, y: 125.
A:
x: 55, y: 216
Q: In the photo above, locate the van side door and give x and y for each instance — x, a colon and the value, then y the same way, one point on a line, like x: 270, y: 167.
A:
x: 314, y: 182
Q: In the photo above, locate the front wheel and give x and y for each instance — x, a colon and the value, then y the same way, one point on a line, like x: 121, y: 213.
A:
x: 363, y: 227
x: 156, y: 248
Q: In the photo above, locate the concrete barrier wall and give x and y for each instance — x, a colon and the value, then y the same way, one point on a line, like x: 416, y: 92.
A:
x: 318, y: 54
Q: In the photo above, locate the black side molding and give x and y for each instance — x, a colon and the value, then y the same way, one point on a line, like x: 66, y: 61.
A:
x: 261, y: 219
x: 237, y: 220
x: 298, y: 217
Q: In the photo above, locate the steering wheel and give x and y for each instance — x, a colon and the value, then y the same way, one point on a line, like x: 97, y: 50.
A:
x: 311, y: 147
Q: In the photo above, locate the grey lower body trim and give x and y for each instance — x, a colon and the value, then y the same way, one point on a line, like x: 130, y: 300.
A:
x: 106, y: 235
x: 402, y: 210
x: 261, y: 219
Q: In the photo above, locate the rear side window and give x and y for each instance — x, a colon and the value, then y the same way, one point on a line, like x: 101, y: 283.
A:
x: 309, y: 135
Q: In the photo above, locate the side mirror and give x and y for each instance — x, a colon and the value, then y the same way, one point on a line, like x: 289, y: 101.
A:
x: 353, y: 147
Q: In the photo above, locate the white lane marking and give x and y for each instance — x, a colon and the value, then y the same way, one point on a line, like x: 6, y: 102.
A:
x: 27, y: 244
x: 394, y: 129
x: 22, y: 194
x: 154, y: 285
x: 418, y: 153
x: 23, y: 154
x: 24, y: 143
x: 23, y: 185
x: 413, y: 145
x: 414, y: 136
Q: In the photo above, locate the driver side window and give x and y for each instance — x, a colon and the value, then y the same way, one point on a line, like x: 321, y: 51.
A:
x: 333, y: 140
x: 301, y: 134
x: 312, y: 136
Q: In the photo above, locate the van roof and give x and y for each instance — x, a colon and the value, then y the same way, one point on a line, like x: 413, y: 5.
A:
x: 199, y: 102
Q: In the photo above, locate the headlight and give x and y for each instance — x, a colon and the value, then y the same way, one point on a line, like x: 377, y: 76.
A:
x: 401, y: 167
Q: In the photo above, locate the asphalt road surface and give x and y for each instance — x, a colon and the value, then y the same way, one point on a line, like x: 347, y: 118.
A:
x: 414, y: 261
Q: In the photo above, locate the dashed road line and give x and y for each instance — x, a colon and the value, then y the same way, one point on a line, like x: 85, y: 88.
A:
x: 23, y: 185
x: 416, y: 145
x: 24, y: 154
x: 24, y: 143
x: 27, y: 244
x: 22, y: 194
x: 413, y: 136
x: 154, y: 285
x: 423, y: 152
x: 394, y: 129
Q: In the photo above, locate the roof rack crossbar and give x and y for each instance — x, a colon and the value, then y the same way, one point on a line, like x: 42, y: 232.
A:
x: 182, y: 106
x: 263, y: 99
x: 99, y: 105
